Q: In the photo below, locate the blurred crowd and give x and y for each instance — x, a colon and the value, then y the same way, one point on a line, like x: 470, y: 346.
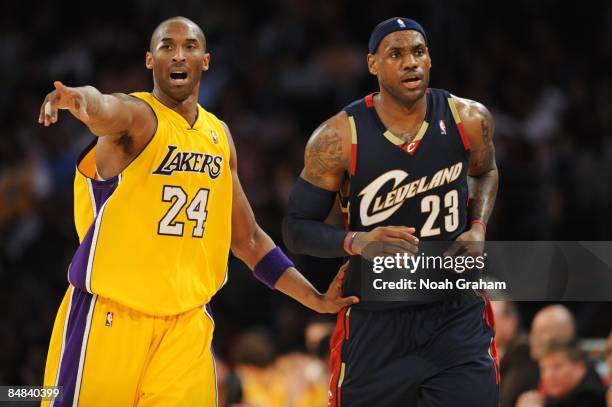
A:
x: 278, y: 69
x: 548, y: 365
x: 545, y: 364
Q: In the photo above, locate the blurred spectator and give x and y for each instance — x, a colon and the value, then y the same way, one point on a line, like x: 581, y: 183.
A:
x: 229, y: 386
x: 565, y: 379
x: 315, y: 334
x: 519, y: 372
x: 555, y: 323
x: 551, y: 322
x: 316, y: 372
x: 307, y: 379
x: 262, y: 386
x: 295, y: 379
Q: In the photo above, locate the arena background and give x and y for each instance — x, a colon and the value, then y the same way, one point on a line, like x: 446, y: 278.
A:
x: 278, y: 69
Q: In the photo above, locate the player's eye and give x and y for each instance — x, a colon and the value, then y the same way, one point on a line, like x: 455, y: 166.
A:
x: 395, y: 54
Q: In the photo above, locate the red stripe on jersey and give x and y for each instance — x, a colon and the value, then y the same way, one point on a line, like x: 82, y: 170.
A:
x: 339, y: 335
x: 464, y: 137
x: 347, y: 325
x: 369, y: 100
x: 344, y: 215
x: 490, y: 320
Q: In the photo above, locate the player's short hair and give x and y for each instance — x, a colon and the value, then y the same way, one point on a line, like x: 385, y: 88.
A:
x: 176, y: 18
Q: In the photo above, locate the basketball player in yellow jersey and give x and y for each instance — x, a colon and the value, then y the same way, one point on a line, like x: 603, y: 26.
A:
x: 158, y: 205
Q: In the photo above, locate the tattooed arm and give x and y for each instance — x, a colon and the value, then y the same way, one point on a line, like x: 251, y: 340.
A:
x: 327, y: 155
x: 326, y: 161
x: 482, y: 174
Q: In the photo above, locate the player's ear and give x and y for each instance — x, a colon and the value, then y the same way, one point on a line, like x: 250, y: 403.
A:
x: 205, y: 61
x: 149, y: 60
x: 428, y: 57
x: 372, y: 65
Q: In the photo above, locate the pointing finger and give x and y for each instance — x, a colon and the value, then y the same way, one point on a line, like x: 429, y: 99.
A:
x: 59, y: 86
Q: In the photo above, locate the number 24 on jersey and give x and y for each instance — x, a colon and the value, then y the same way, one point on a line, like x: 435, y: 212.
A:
x: 196, y: 211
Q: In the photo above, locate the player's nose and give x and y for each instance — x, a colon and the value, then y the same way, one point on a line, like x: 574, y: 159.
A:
x: 179, y: 55
x: 409, y: 62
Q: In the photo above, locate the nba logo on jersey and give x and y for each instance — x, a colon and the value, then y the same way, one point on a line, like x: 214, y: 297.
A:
x: 442, y: 127
x: 401, y: 23
x: 109, y: 319
x: 214, y: 136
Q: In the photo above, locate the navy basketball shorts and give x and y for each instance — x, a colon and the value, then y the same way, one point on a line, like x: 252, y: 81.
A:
x: 433, y: 355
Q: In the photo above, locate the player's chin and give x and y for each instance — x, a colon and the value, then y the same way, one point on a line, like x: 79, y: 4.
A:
x: 179, y: 91
x: 412, y: 95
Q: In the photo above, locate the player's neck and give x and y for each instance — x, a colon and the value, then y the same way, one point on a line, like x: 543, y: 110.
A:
x: 187, y: 108
x: 394, y: 112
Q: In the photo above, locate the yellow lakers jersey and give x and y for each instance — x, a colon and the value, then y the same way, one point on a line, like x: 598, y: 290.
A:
x: 156, y: 237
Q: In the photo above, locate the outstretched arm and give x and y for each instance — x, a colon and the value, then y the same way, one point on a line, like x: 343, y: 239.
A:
x: 482, y: 174
x: 252, y: 245
x: 106, y: 115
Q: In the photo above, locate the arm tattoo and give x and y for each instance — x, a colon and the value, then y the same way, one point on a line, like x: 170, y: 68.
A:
x: 484, y: 125
x: 324, y: 154
x: 483, y: 184
x: 484, y: 160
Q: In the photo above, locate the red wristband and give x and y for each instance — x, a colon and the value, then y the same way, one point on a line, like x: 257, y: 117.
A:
x: 348, y: 243
x: 481, y: 222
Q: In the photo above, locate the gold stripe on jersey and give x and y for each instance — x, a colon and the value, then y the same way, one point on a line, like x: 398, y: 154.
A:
x: 453, y: 108
x: 398, y: 141
x: 353, y: 130
x: 421, y: 132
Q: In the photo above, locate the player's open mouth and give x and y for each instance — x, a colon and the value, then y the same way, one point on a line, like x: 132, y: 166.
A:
x: 178, y: 77
x: 412, y: 83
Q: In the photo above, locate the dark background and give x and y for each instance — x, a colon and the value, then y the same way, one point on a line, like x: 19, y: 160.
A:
x: 278, y: 69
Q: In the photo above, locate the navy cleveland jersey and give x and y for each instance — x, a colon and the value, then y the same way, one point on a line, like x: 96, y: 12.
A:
x: 420, y: 184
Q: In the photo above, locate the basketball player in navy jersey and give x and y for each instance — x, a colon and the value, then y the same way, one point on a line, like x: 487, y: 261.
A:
x: 405, y: 160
